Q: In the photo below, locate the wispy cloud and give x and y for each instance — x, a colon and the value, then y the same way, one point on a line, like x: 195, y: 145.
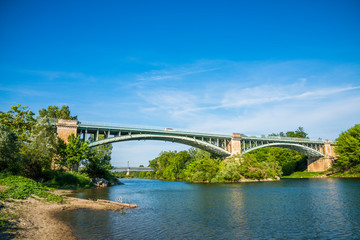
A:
x: 181, y: 72
x: 295, y: 96
x: 26, y: 91
x: 54, y: 75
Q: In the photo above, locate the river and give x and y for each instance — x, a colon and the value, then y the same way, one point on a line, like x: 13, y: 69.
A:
x: 287, y: 209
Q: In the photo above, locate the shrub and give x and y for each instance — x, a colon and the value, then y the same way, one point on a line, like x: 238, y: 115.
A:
x: 69, y: 180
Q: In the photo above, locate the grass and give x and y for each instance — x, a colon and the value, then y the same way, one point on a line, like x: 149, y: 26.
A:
x: 22, y: 188
x: 304, y: 175
x: 328, y: 173
x: 345, y: 175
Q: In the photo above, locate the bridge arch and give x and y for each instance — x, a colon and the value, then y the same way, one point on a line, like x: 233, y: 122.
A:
x: 178, y: 139
x: 312, y: 153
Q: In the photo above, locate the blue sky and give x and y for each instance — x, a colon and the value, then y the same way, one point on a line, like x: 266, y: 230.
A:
x: 254, y: 67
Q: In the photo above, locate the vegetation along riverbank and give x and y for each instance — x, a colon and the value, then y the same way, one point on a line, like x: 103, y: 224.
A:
x: 34, y: 162
x: 268, y: 163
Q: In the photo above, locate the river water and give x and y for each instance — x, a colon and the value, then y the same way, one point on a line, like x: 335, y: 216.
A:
x: 286, y: 209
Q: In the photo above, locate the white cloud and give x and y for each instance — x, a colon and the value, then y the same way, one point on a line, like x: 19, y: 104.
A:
x: 261, y: 108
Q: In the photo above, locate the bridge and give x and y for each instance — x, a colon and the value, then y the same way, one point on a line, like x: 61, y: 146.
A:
x: 134, y: 169
x: 320, y: 153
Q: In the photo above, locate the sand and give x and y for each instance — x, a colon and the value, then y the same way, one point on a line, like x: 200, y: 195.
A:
x: 37, y: 219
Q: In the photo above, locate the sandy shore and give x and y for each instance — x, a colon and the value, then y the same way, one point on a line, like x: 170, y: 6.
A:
x: 37, y: 219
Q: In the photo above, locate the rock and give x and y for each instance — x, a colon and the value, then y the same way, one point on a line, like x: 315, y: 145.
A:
x: 118, y: 182
x: 101, y: 182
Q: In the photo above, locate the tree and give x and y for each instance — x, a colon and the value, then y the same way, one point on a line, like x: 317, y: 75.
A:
x: 76, y: 151
x: 60, y: 158
x: 9, y: 150
x: 348, y: 148
x: 298, y: 133
x: 20, y: 120
x: 39, y: 151
x: 56, y: 113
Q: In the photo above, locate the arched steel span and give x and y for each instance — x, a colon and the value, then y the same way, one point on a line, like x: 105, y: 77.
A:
x: 178, y: 139
x: 297, y: 147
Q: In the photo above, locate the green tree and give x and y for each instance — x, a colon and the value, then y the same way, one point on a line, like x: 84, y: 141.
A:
x: 95, y: 167
x: 9, y: 150
x: 39, y: 151
x: 20, y: 120
x: 76, y: 151
x: 98, y: 164
x: 60, y: 157
x: 203, y: 166
x: 348, y: 148
x: 57, y: 113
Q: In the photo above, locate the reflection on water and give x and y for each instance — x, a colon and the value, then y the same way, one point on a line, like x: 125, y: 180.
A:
x: 291, y: 208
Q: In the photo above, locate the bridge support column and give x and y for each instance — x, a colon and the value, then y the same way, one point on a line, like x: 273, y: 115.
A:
x: 324, y: 163
x: 235, y: 144
x: 65, y: 128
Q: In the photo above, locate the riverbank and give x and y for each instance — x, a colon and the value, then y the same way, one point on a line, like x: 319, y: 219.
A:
x: 326, y: 174
x: 35, y: 218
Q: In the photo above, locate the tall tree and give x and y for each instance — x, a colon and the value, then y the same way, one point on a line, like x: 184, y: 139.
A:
x: 38, y: 152
x: 20, y: 120
x: 348, y: 148
x: 76, y: 151
x: 9, y: 150
x: 56, y: 113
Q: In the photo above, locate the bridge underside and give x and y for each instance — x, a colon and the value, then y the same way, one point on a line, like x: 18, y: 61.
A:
x: 218, y: 151
x: 310, y: 152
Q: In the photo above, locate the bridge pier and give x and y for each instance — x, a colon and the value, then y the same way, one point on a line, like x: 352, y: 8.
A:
x: 324, y: 163
x: 235, y: 144
x: 65, y: 128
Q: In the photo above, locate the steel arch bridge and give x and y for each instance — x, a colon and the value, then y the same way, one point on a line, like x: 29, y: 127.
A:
x: 219, y: 144
x: 320, y: 153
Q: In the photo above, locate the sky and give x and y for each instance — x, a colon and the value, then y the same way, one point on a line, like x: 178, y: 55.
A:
x: 254, y: 67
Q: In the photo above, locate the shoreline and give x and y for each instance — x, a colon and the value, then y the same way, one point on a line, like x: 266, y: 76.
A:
x: 38, y: 219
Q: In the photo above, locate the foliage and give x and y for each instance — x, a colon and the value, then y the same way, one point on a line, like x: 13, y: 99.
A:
x: 289, y: 160
x: 348, y: 148
x: 199, y: 166
x: 76, y: 151
x: 66, y: 179
x: 298, y: 133
x: 9, y: 150
x: 248, y: 167
x: 22, y: 188
x: 97, y: 163
x: 38, y: 152
x: 20, y: 120
x: 60, y: 157
x: 95, y: 167
x: 56, y: 113
x: 202, y: 168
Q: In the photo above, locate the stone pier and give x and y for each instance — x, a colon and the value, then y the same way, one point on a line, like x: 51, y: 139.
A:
x: 235, y: 144
x: 324, y: 163
x: 65, y: 128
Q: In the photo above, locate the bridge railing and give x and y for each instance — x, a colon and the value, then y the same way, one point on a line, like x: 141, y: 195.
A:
x: 284, y: 139
x: 151, y: 128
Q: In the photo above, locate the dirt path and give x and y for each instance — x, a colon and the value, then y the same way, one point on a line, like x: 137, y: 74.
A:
x: 37, y: 219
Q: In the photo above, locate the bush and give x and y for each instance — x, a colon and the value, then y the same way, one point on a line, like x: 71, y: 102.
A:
x: 69, y: 180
